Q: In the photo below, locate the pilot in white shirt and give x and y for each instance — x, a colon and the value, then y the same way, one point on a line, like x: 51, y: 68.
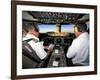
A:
x: 79, y: 50
x: 37, y: 46
x: 33, y: 33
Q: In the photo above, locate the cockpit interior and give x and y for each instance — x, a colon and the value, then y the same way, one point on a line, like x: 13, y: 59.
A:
x: 54, y: 28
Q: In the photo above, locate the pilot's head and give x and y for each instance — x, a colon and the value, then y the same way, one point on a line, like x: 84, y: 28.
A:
x: 80, y: 28
x: 31, y: 28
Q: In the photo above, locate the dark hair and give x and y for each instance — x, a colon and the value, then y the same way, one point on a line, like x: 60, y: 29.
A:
x: 29, y: 26
x: 82, y: 27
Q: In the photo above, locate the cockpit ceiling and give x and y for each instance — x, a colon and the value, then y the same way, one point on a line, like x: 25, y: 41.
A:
x: 55, y: 17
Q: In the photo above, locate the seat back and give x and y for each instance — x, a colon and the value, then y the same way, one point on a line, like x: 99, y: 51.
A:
x: 29, y: 56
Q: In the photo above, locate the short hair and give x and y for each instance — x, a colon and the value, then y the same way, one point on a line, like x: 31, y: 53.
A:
x: 81, y: 26
x: 30, y: 26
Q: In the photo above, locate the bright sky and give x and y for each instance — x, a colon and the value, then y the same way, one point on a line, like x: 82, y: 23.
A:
x: 67, y: 28
x: 47, y: 28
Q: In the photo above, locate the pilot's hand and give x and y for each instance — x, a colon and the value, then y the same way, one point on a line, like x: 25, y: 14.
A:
x: 51, y: 47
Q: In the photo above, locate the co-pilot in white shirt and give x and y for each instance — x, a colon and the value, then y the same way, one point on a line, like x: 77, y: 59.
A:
x: 79, y: 50
x: 37, y: 46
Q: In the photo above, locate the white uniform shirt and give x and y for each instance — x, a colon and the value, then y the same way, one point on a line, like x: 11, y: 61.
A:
x: 79, y: 50
x: 37, y: 46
